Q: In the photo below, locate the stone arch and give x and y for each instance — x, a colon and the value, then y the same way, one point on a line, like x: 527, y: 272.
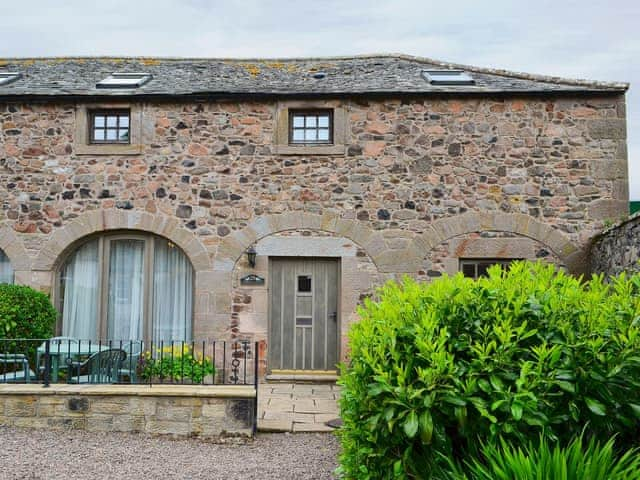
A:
x: 105, y: 220
x: 12, y: 245
x: 520, y: 224
x: 232, y: 248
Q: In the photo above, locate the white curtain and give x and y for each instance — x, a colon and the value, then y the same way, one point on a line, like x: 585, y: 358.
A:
x: 126, y: 290
x: 172, y: 293
x: 6, y: 270
x: 80, y: 283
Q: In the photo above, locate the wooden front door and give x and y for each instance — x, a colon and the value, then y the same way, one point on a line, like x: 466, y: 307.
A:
x: 303, y: 314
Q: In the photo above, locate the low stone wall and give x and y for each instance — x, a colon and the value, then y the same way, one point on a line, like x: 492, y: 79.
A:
x: 617, y: 249
x: 209, y: 412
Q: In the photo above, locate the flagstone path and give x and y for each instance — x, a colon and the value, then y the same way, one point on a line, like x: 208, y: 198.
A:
x: 297, y: 407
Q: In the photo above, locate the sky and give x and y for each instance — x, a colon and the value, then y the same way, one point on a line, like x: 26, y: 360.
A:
x: 598, y: 40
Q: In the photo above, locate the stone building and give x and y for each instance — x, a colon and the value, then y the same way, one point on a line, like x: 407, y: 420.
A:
x: 264, y: 199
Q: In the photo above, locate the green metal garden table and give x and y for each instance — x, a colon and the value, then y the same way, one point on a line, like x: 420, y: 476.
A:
x: 60, y: 352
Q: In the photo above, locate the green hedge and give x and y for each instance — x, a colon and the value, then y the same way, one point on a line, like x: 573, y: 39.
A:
x: 437, y: 369
x: 25, y: 313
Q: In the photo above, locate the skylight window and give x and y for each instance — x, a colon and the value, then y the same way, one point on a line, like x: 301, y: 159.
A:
x: 124, y: 80
x: 448, y: 77
x: 8, y: 77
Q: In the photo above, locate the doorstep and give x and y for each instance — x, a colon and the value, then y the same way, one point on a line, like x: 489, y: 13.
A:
x: 307, y: 376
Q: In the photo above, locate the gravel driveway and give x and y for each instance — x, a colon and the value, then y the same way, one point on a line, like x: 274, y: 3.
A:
x: 68, y: 455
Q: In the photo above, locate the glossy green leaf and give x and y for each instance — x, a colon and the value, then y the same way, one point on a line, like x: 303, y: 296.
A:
x: 595, y: 406
x: 426, y: 427
x: 411, y: 425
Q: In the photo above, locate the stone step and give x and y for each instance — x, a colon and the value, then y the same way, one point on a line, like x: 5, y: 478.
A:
x: 302, y: 376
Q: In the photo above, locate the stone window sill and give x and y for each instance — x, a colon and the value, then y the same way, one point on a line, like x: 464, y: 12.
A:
x: 108, y: 149
x: 309, y: 149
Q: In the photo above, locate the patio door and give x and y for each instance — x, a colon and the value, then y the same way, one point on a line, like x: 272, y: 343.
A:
x: 303, y: 314
x: 125, y: 294
x: 126, y: 286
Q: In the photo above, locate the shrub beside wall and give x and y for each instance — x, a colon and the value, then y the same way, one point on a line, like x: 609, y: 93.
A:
x: 437, y: 369
x: 25, y: 313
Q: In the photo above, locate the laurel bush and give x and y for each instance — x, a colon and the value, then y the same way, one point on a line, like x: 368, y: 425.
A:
x: 438, y: 369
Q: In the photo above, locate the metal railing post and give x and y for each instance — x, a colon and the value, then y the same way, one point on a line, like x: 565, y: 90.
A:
x: 47, y: 363
x: 256, y: 359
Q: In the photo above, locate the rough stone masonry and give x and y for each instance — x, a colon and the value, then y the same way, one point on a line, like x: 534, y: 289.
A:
x: 521, y: 168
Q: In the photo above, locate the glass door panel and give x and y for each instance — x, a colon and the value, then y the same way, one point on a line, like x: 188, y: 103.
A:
x: 79, y: 284
x: 125, y: 302
x: 172, y: 293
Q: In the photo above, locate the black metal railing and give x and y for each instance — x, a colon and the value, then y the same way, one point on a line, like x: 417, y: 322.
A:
x: 70, y: 360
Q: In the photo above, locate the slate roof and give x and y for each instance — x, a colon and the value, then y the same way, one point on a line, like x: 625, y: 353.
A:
x: 370, y: 74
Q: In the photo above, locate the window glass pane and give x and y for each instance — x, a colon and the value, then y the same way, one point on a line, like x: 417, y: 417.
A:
x: 112, y: 135
x: 311, y: 121
x: 469, y: 270
x: 304, y: 304
x: 112, y: 121
x: 323, y: 121
x: 6, y: 270
x: 309, y: 135
x: 98, y: 121
x: 126, y: 290
x: 124, y: 121
x: 124, y: 135
x: 478, y: 268
x: 303, y: 322
x: 298, y: 135
x: 79, y: 293
x: 323, y: 135
x: 298, y: 121
x: 98, y: 134
x: 482, y: 269
x: 304, y: 283
x: 172, y: 293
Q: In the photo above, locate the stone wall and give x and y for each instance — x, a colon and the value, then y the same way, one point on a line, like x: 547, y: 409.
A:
x: 617, y: 249
x: 184, y: 411
x: 444, y: 258
x: 415, y: 174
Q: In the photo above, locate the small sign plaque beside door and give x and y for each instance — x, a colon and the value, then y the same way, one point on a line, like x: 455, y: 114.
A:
x: 252, y: 280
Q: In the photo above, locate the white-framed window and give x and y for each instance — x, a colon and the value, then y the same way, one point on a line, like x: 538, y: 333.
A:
x: 9, y: 77
x: 124, y: 80
x: 126, y: 286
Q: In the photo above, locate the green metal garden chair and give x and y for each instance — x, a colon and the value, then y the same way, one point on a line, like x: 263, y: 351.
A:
x: 101, y: 367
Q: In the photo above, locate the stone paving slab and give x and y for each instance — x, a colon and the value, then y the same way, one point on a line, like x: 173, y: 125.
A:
x: 275, y: 425
x: 297, y: 407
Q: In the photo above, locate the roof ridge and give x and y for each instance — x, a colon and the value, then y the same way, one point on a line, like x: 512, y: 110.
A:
x: 407, y: 57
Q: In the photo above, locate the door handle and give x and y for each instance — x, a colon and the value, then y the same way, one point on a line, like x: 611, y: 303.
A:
x: 334, y: 315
